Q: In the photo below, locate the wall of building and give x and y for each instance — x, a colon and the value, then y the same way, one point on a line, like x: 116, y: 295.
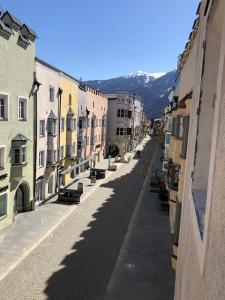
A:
x: 16, y: 79
x: 97, y: 105
x: 47, y: 77
x: 201, y: 263
x: 70, y: 88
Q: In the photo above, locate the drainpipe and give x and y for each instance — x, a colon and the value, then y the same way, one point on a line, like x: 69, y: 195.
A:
x: 60, y: 91
x: 36, y: 86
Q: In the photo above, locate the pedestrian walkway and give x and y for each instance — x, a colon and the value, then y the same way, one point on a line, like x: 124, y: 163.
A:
x: 143, y: 269
x: 31, y: 228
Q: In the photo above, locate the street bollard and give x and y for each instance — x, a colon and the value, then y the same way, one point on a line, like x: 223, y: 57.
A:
x: 93, y: 179
x: 80, y: 187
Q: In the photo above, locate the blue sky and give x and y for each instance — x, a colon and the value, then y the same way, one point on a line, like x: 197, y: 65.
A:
x: 100, y: 39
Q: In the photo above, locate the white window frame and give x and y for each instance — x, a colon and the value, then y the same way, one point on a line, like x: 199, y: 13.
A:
x: 2, y: 159
x: 6, y: 106
x: 24, y: 99
x: 41, y: 159
x: 40, y: 133
x: 51, y: 94
x: 21, y: 153
x: 6, y: 212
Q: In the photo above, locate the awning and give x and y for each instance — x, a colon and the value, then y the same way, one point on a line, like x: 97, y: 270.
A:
x: 77, y: 165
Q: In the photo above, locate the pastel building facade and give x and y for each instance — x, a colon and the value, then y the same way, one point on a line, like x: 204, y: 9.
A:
x: 201, y: 264
x: 96, y: 110
x: 47, y: 155
x: 17, y: 61
x: 68, y: 127
x: 82, y: 123
x: 124, y: 121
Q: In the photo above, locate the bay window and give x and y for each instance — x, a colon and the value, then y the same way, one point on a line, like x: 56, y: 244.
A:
x: 19, y: 155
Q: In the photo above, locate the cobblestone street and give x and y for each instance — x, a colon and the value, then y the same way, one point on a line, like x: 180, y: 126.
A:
x: 76, y: 261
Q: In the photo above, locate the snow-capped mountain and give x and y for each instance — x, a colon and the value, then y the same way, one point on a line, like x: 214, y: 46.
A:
x: 152, y: 87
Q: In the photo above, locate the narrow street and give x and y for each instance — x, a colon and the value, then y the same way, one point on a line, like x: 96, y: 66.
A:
x: 77, y: 260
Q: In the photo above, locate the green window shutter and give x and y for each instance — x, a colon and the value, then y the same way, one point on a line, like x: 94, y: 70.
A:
x: 185, y: 137
x: 177, y: 222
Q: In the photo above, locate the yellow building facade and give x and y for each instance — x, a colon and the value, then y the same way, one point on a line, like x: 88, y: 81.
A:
x: 68, y: 126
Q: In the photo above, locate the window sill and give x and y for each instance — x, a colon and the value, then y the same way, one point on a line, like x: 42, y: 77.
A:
x: 19, y: 164
x: 3, y: 217
x: 3, y: 120
x: 22, y: 120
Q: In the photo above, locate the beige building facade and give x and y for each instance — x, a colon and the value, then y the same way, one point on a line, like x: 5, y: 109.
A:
x: 200, y: 271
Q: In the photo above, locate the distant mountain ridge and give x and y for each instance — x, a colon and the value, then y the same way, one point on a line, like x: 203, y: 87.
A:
x: 153, y: 88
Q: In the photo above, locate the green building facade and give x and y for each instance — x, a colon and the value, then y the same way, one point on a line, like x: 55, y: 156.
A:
x: 17, y: 67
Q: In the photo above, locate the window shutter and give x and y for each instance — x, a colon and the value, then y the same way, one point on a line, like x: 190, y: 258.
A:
x: 185, y: 137
x: 177, y: 127
x: 174, y: 126
x: 177, y: 222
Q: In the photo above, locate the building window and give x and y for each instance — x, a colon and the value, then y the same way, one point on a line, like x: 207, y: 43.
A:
x: 92, y: 140
x: 52, y: 156
x: 70, y: 99
x: 3, y: 204
x: 74, y: 148
x: 50, y: 185
x: 2, y: 158
x: 20, y: 155
x: 129, y: 114
x: 51, y: 127
x: 120, y: 131
x: 42, y: 128
x: 80, y: 123
x: 3, y: 107
x: 129, y: 132
x: 71, y: 124
x: 51, y: 93
x: 181, y: 129
x: 22, y: 109
x: 61, y: 152
x: 118, y: 113
x: 41, y: 159
x: 62, y: 124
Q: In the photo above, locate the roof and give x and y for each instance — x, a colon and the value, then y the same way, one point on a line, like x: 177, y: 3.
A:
x: 24, y: 40
x: 52, y: 115
x: 70, y: 112
x: 5, y: 28
x: 112, y: 96
x: 30, y: 31
x: 20, y: 138
x: 12, y: 17
x: 41, y: 61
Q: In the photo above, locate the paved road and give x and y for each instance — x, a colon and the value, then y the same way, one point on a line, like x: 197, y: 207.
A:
x: 77, y: 260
